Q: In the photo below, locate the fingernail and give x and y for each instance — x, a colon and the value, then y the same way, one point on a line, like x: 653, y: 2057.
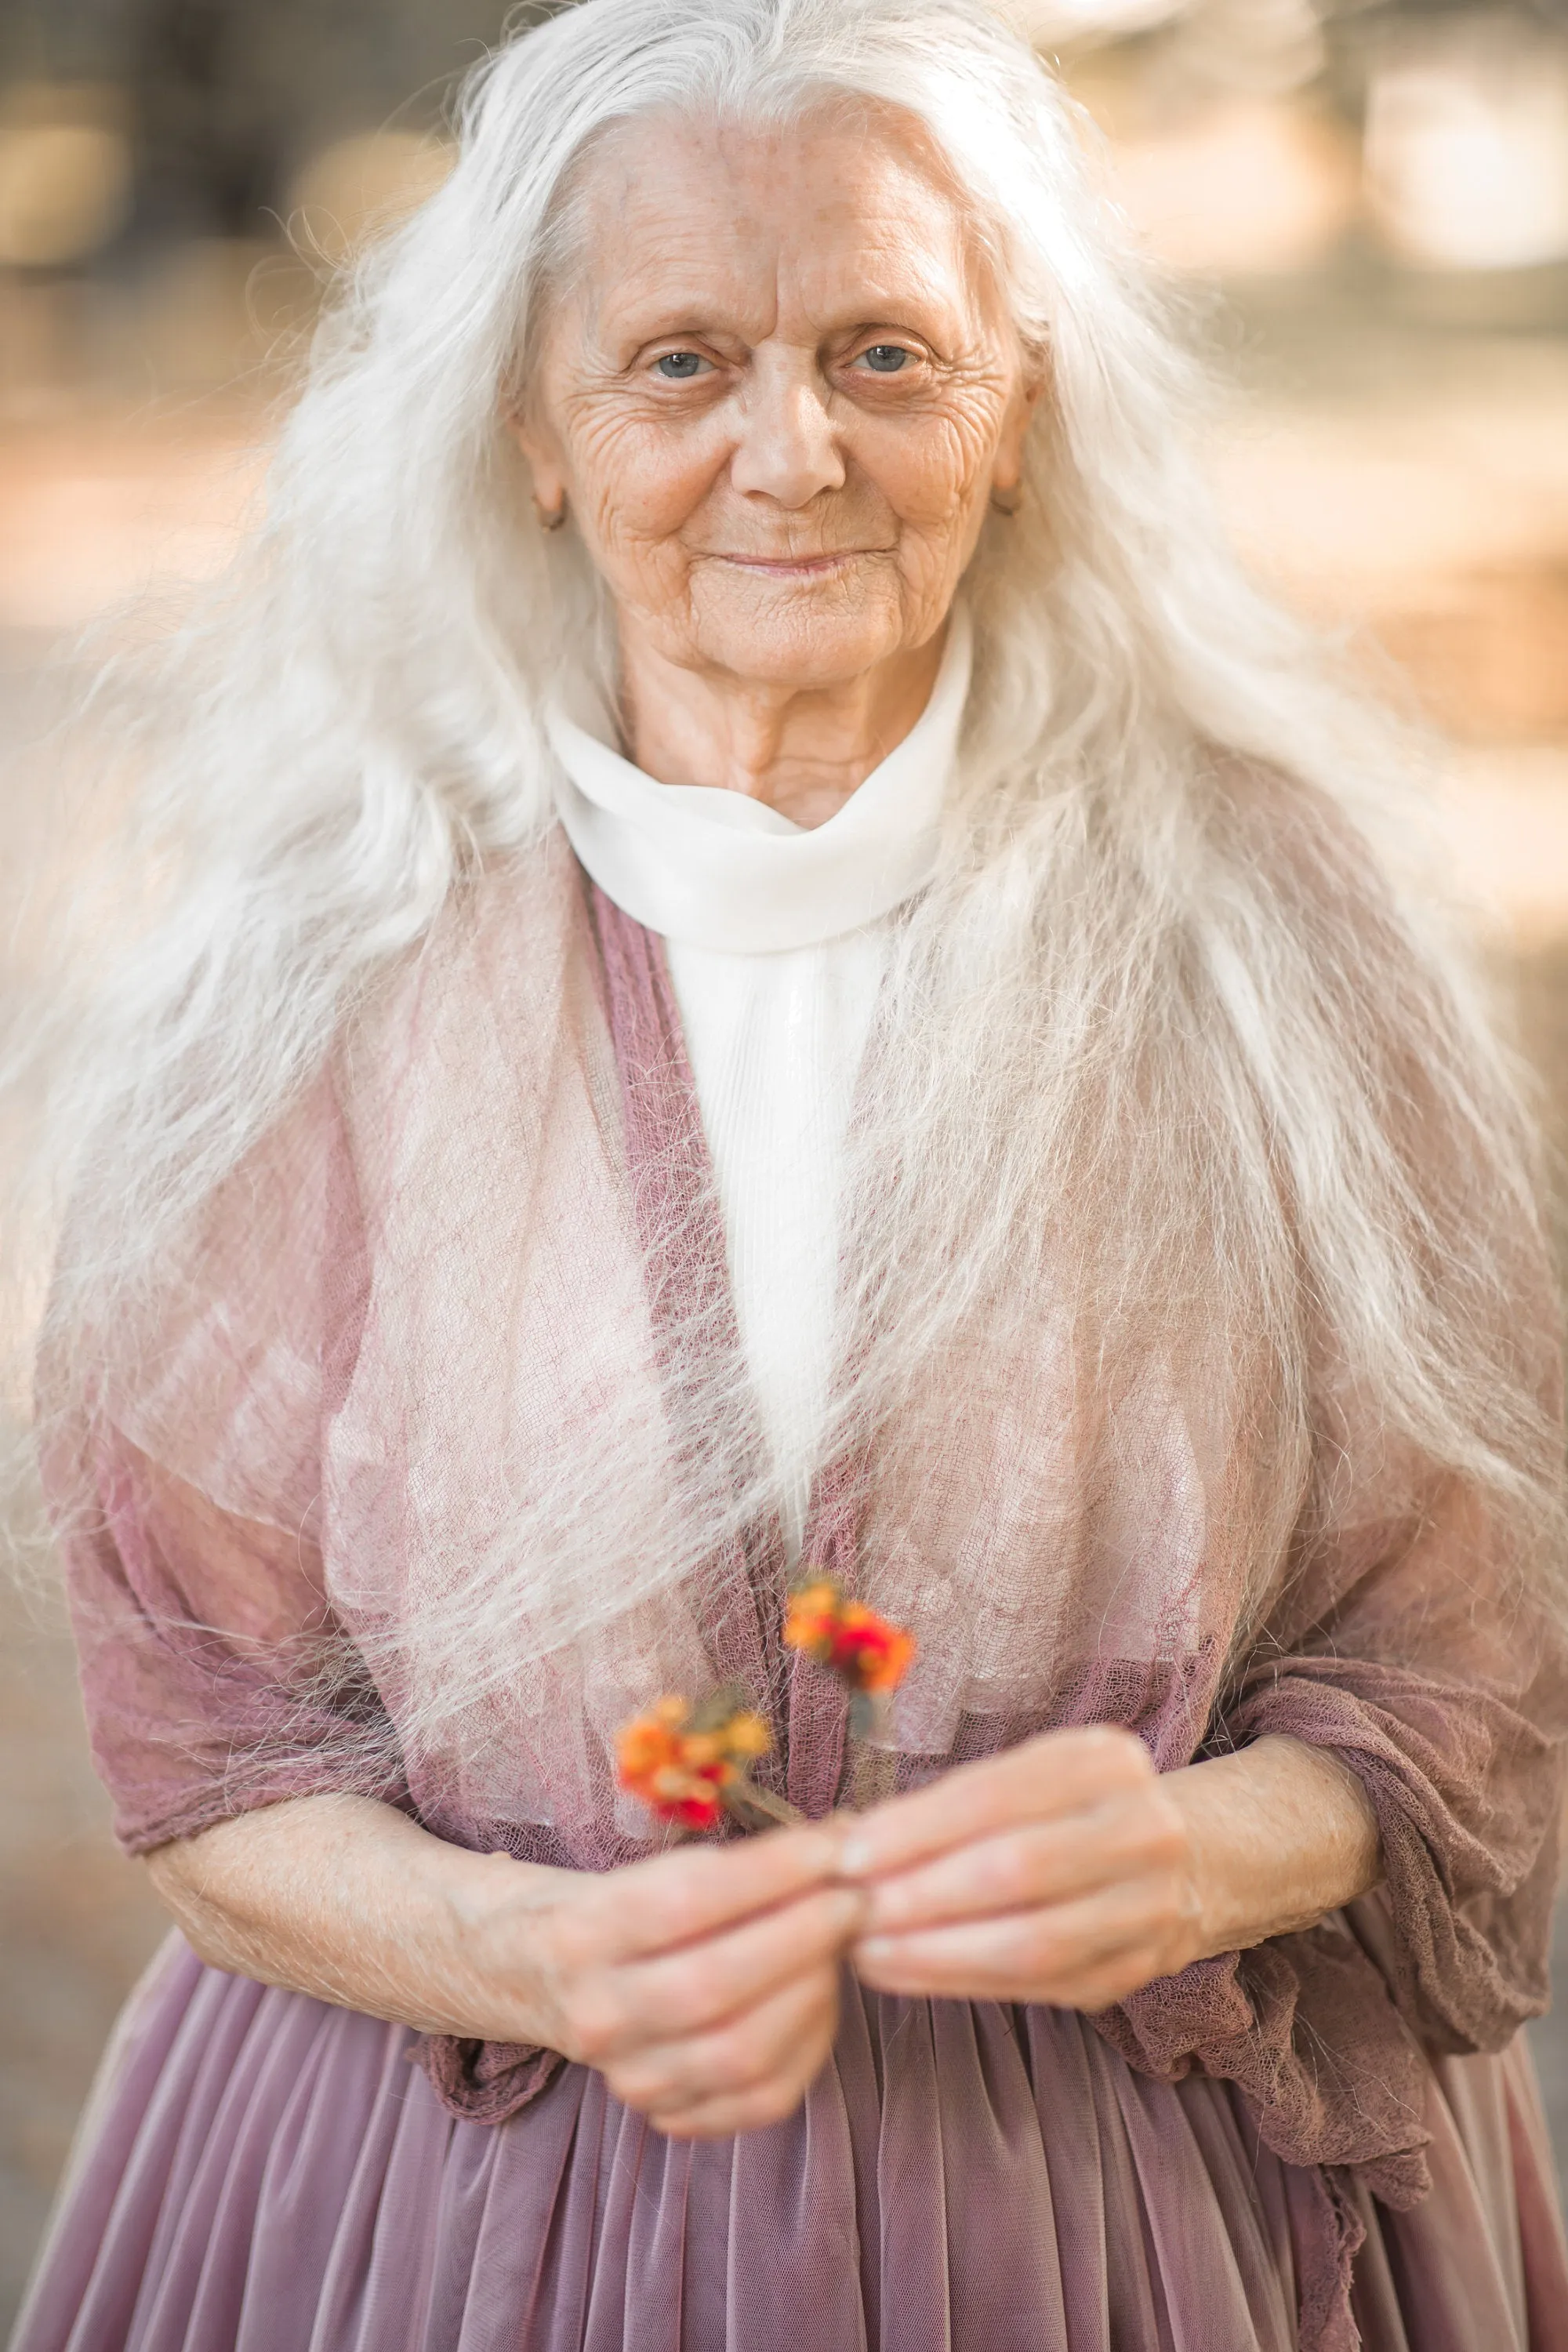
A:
x: 854, y: 1857
x: 875, y: 1947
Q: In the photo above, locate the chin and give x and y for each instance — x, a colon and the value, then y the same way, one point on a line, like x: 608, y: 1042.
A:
x: 797, y: 633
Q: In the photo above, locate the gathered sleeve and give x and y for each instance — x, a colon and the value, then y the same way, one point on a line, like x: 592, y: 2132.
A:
x: 183, y: 1475
x: 1443, y: 1687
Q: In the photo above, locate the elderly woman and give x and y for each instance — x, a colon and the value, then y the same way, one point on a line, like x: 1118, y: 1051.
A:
x: 766, y: 970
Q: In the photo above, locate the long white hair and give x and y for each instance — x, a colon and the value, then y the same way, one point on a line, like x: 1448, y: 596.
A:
x: 1190, y: 1004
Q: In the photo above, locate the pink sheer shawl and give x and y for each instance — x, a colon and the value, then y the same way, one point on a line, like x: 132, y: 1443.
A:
x: 488, y: 1235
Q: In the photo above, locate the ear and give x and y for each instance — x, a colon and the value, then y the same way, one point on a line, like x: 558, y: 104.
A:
x: 543, y: 458
x: 1008, y: 469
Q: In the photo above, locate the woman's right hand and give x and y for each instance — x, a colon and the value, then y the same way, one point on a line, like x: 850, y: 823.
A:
x: 702, y: 1984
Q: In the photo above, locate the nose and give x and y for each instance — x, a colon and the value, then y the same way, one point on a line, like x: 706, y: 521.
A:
x: 787, y: 450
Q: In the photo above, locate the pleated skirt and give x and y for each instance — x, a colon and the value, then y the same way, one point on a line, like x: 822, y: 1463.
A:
x: 258, y: 2172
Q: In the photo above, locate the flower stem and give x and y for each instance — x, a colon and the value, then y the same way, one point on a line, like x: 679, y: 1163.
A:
x: 743, y: 1796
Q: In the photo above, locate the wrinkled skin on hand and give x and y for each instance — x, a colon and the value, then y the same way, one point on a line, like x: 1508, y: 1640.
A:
x: 1067, y: 1871
x: 1063, y: 1871
x: 704, y: 1985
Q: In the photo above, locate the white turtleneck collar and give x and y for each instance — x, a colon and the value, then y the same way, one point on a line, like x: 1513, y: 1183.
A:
x: 712, y: 868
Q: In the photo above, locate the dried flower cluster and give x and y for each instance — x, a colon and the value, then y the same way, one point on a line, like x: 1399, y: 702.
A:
x: 689, y: 1764
x: 866, y: 1651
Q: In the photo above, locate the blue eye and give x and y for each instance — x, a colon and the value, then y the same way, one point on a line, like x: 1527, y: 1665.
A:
x: 886, y: 359
x: 678, y: 367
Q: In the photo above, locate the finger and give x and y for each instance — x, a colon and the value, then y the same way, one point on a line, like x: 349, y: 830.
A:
x: 1024, y: 1955
x: 730, y: 1973
x: 678, y: 1899
x: 733, y: 2058
x: 679, y: 1993
x: 726, y: 2118
x: 1041, y: 1864
x: 1090, y: 1990
x: 1061, y: 1772
x: 764, y: 2102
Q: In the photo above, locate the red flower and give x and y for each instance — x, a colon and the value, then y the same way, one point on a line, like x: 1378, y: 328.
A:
x: 687, y: 1764
x: 862, y: 1649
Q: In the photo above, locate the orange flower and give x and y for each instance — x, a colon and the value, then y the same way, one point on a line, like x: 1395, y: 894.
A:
x: 687, y: 1764
x: 861, y: 1648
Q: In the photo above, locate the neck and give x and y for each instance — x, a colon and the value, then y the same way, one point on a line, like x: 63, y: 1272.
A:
x: 801, y: 750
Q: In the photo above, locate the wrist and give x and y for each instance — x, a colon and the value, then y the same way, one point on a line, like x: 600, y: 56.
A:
x: 1279, y: 1834
x: 496, y: 1982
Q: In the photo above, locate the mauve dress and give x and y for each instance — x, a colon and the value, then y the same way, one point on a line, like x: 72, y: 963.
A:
x: 260, y: 2172
x: 263, y: 2172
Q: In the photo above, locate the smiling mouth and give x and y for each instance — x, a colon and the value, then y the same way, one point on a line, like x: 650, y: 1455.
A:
x: 799, y: 567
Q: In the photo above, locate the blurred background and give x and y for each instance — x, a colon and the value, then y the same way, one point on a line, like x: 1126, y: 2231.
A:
x: 1370, y: 200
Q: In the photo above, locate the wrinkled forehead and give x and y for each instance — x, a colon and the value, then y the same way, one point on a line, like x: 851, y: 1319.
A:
x: 843, y: 211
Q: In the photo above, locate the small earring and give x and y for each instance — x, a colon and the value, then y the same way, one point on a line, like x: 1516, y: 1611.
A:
x: 551, y: 518
x: 1007, y: 502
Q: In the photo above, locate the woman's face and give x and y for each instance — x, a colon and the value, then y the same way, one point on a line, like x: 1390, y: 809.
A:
x: 778, y: 395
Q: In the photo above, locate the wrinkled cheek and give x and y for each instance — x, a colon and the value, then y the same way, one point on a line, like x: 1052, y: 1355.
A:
x: 637, y: 513
x: 949, y: 485
x: 939, y: 492
x: 932, y: 557
x: 635, y: 486
x: 650, y: 576
x: 635, y: 544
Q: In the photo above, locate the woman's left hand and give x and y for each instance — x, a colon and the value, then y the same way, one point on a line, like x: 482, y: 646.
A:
x: 1063, y: 1871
